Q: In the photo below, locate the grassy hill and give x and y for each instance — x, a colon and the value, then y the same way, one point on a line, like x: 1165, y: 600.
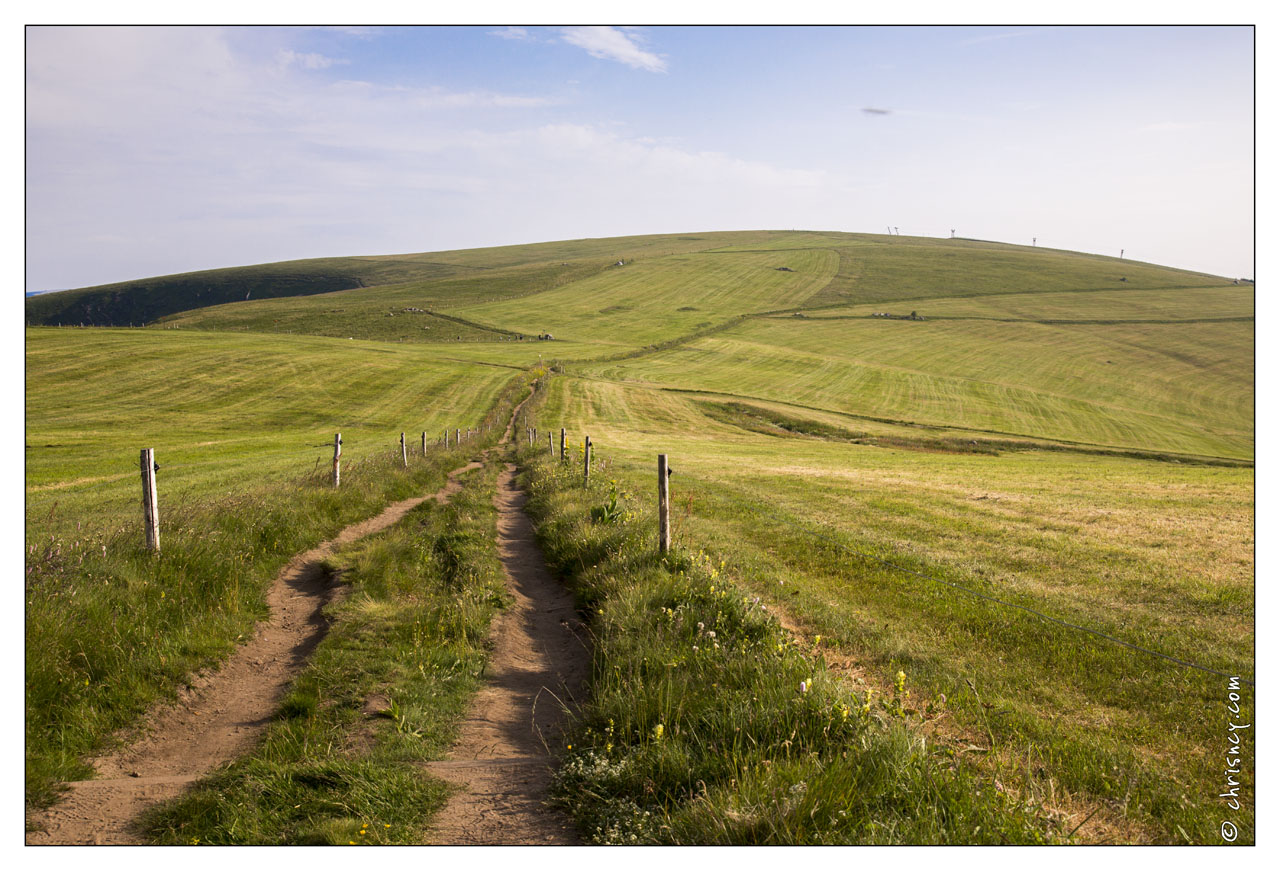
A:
x: 1067, y: 433
x: 142, y: 301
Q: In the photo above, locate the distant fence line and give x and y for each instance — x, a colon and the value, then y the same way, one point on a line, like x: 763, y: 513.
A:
x: 149, y: 466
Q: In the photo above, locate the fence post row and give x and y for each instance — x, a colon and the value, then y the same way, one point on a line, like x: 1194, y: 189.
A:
x: 150, y: 505
x: 664, y: 505
x: 337, y: 458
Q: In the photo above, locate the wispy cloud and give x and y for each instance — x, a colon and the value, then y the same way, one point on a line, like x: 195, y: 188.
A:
x: 1009, y: 34
x: 307, y: 60
x: 609, y: 43
x: 518, y: 33
x: 358, y: 31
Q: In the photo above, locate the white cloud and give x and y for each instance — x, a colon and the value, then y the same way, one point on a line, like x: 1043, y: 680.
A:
x: 1009, y: 34
x: 518, y: 33
x: 609, y: 43
x: 307, y: 60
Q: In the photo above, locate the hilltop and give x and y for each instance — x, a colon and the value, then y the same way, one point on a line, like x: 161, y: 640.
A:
x: 866, y: 430
x: 862, y: 268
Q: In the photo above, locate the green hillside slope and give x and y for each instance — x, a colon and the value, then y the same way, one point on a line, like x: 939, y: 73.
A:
x: 225, y: 413
x: 142, y: 301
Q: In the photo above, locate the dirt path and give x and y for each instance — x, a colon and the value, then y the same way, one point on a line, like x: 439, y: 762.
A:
x: 538, y: 664
x: 222, y: 715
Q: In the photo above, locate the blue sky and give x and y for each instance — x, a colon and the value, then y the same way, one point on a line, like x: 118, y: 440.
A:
x: 160, y: 150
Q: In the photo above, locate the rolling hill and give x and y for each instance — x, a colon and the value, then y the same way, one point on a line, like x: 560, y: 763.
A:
x: 852, y: 417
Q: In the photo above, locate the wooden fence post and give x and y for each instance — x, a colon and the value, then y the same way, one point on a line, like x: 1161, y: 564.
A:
x: 150, y: 504
x: 562, y: 444
x: 404, y: 452
x: 337, y: 458
x: 457, y: 438
x: 664, y: 505
x: 586, y: 461
x: 424, y: 442
x: 551, y: 444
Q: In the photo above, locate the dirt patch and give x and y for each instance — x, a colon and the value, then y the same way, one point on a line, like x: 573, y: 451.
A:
x: 222, y: 714
x: 537, y: 669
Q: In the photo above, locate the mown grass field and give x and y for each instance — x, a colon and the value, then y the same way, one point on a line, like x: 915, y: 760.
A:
x: 1157, y: 554
x: 656, y: 300
x: 1139, y: 385
x: 225, y: 413
x: 1048, y: 435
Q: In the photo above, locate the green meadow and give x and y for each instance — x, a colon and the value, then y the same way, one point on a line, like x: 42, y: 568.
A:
x: 1068, y: 434
x: 225, y: 413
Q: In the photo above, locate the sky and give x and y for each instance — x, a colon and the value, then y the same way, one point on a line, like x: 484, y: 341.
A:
x: 156, y: 150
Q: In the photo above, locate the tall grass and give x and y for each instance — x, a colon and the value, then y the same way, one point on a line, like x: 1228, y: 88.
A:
x: 383, y: 692
x: 708, y: 724
x: 112, y: 627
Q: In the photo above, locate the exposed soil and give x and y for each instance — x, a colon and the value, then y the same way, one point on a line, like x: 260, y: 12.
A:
x: 222, y: 715
x: 537, y: 668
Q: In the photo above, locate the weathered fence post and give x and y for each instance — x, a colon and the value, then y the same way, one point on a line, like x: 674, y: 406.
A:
x: 586, y: 461
x: 404, y: 452
x: 664, y: 505
x: 457, y: 438
x: 337, y: 458
x: 562, y: 444
x: 424, y: 442
x: 150, y: 505
x: 551, y: 444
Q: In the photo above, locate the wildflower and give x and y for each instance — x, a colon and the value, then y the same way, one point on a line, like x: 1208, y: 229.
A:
x: 711, y: 634
x: 817, y: 639
x: 657, y: 732
x: 804, y: 686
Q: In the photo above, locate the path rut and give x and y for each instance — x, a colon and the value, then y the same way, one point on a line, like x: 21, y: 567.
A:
x: 223, y: 714
x: 537, y: 669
